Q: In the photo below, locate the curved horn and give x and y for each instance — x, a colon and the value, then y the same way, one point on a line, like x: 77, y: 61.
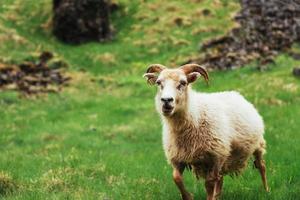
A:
x: 155, y: 68
x: 188, y: 68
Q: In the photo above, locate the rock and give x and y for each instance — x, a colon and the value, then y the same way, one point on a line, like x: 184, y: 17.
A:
x: 78, y: 21
x: 265, y: 29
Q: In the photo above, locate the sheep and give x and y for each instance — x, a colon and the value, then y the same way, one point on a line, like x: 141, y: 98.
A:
x: 213, y: 134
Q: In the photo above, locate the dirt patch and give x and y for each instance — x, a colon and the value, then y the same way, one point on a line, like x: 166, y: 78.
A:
x: 265, y: 28
x: 296, y: 72
x: 34, y: 76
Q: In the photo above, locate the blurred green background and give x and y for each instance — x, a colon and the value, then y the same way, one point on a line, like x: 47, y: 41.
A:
x: 100, y: 138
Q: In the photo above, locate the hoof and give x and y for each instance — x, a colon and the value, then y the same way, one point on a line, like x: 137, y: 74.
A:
x: 187, y: 196
x: 267, y: 189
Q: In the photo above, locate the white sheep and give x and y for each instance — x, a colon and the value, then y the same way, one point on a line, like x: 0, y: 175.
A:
x: 213, y: 134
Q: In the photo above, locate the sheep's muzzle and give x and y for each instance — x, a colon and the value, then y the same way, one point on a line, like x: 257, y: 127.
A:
x: 167, y: 109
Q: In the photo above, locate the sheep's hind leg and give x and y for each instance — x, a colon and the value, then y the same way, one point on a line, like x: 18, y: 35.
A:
x: 178, y: 179
x: 261, y: 166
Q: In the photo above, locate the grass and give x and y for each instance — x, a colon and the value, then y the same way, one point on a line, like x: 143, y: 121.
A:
x: 100, y: 138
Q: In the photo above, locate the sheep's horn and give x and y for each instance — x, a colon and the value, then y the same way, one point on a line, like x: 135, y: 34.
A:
x: 188, y: 68
x: 155, y: 68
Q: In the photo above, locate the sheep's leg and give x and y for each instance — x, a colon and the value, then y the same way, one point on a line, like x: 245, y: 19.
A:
x: 219, y: 187
x: 211, y: 187
x: 261, y: 166
x: 214, y: 180
x: 178, y: 179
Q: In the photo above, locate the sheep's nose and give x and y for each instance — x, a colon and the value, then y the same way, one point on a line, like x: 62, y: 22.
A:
x: 167, y: 100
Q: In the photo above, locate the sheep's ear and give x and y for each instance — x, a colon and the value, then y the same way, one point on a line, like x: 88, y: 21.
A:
x: 192, y: 77
x: 151, y: 78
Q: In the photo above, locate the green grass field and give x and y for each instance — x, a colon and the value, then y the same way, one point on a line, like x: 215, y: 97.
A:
x: 100, y: 138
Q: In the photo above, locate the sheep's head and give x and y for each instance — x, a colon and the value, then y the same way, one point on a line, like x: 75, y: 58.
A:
x: 173, y: 85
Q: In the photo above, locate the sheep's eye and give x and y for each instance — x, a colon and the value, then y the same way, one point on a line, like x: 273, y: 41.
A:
x: 158, y: 82
x: 183, y: 83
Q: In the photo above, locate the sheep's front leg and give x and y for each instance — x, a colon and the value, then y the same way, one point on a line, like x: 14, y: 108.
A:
x: 211, y: 188
x: 178, y: 179
x: 219, y: 187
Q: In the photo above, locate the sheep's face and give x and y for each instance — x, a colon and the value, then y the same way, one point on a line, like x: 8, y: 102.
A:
x: 173, y: 85
x: 172, y: 90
